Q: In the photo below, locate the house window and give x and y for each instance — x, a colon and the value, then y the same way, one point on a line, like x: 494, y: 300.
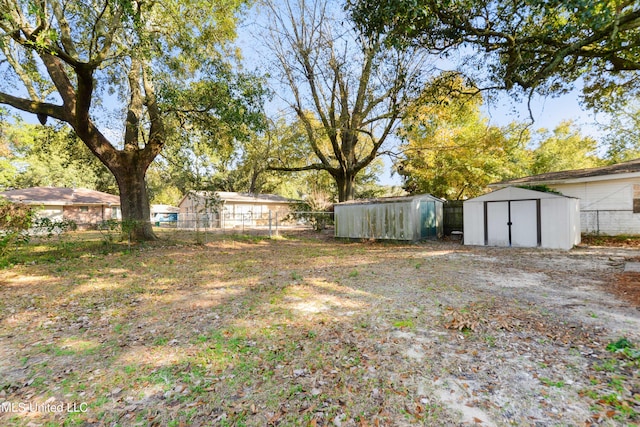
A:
x: 84, y: 208
x: 636, y: 198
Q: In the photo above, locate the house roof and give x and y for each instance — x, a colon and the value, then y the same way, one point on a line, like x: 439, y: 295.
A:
x: 60, y: 196
x: 576, y: 175
x: 230, y: 197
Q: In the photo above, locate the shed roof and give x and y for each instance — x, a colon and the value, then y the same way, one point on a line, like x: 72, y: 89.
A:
x: 60, y: 196
x: 577, y: 175
x: 394, y: 199
x: 515, y: 193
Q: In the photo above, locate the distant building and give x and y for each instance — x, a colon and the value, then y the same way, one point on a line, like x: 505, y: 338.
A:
x: 609, y: 195
x: 236, y: 209
x: 78, y: 204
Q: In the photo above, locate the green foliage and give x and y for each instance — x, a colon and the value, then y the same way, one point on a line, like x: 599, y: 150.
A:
x: 51, y: 228
x: 450, y: 151
x: 112, y: 229
x: 527, y: 44
x: 621, y: 344
x: 214, y: 130
x: 49, y: 156
x: 564, y: 149
x: 109, y: 229
x: 15, y: 220
x: 622, y: 132
x: 315, y: 210
x: 162, y: 66
x: 626, y: 348
x: 616, y: 396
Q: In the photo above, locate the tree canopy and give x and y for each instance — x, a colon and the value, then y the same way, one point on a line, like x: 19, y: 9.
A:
x: 49, y: 156
x: 113, y: 70
x: 449, y: 148
x: 527, y: 44
x: 564, y: 148
x: 622, y: 133
x: 451, y: 151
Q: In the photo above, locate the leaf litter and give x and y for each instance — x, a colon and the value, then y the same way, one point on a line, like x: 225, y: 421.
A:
x: 304, y: 331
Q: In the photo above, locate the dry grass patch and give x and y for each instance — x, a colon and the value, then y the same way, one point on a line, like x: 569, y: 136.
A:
x: 295, y: 331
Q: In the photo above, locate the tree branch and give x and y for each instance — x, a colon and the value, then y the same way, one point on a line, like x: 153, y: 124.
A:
x: 34, y: 107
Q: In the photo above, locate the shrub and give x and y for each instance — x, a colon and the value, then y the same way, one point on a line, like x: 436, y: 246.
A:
x: 15, y: 221
x: 316, y: 210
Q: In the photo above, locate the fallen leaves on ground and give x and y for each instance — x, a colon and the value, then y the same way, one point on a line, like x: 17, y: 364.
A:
x: 301, y: 331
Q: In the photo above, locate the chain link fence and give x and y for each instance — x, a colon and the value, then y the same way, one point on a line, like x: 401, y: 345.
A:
x: 268, y: 223
x: 609, y: 221
x: 188, y: 227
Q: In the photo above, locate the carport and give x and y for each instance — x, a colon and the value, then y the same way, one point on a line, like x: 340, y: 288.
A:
x: 521, y: 217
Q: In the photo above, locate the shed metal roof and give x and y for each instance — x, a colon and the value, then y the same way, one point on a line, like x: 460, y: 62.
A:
x: 515, y: 193
x: 394, y: 199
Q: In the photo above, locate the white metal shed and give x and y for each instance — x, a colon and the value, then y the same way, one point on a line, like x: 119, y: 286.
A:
x: 394, y: 218
x: 522, y: 218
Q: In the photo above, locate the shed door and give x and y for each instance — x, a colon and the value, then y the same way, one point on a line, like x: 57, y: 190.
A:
x: 524, y: 223
x: 427, y: 219
x: 513, y: 223
x: 496, y: 224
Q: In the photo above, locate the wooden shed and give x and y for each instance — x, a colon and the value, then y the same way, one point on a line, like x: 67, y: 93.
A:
x: 522, y: 218
x: 394, y: 218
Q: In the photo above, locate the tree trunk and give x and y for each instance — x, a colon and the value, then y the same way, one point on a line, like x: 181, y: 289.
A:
x: 346, y: 188
x: 134, y: 202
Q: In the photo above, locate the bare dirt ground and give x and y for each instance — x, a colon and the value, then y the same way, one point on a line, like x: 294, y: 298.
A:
x: 312, y: 331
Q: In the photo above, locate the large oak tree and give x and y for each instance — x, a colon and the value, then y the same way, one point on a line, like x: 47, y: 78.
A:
x: 348, y: 91
x: 72, y: 59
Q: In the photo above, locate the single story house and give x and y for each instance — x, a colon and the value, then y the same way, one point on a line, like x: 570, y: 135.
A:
x: 199, y: 209
x: 609, y: 195
x: 78, y: 204
x: 524, y: 218
x: 395, y: 218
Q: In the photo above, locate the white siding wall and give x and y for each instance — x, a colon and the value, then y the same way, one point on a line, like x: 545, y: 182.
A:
x: 559, y: 223
x: 473, y: 223
x: 606, y: 207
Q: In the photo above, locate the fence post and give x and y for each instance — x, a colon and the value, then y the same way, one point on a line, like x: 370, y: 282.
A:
x: 269, y: 224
